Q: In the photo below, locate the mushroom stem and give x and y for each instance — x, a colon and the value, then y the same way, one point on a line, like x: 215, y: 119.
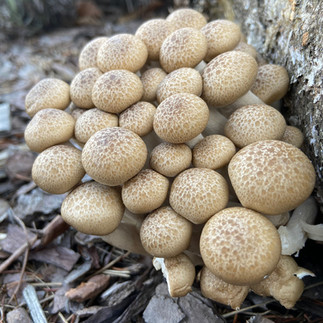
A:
x: 216, y: 123
x: 200, y: 67
x: 194, y: 141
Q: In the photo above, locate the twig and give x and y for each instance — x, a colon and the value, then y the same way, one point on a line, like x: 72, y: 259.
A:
x: 62, y: 317
x: 247, y: 308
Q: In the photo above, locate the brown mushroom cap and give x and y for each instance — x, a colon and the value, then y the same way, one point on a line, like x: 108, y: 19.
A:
x: 122, y: 51
x: 145, y: 192
x: 253, y: 123
x: 198, y: 193
x: 181, y: 117
x: 58, y: 169
x: 47, y: 93
x: 93, y: 208
x: 185, y: 47
x: 47, y: 128
x: 228, y: 77
x: 271, y: 176
x: 246, y: 48
x: 240, y: 246
x: 114, y: 155
x: 186, y: 17
x: 150, y: 79
x: 293, y: 136
x: 164, y: 233
x: 117, y: 90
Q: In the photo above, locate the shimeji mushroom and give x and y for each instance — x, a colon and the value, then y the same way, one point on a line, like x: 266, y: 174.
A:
x: 293, y: 136
x: 150, y: 79
x: 246, y: 48
x: 186, y: 17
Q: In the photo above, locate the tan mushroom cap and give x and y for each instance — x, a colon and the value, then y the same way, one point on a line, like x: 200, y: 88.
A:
x: 218, y: 290
x: 58, y: 169
x: 47, y: 128
x: 222, y: 36
x: 91, y: 121
x: 214, y: 151
x: 228, y: 77
x: 186, y: 17
x: 88, y: 55
x: 145, y: 192
x: 180, y: 118
x: 198, y: 193
x: 253, y: 123
x: 117, y: 90
x: 75, y: 111
x: 182, y: 80
x: 246, y: 48
x: 164, y: 233
x: 81, y: 87
x: 271, y: 83
x: 240, y: 246
x: 150, y: 79
x: 114, y: 155
x: 122, y: 51
x: 170, y: 159
x: 93, y: 208
x: 271, y: 176
x: 138, y: 118
x: 185, y: 47
x: 47, y: 93
x: 293, y: 136
x: 153, y: 32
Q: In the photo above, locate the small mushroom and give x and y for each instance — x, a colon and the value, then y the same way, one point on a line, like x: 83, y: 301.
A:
x: 150, y: 79
x: 186, y: 17
x: 293, y: 136
x: 246, y: 48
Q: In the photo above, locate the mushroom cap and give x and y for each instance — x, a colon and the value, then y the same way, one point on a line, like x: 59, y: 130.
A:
x: 227, y: 77
x: 185, y: 47
x: 253, y: 123
x: 47, y: 93
x: 271, y: 176
x: 214, y: 151
x: 180, y: 118
x: 246, y: 48
x: 81, y: 87
x: 222, y: 36
x: 186, y: 17
x: 113, y: 155
x: 122, y: 51
x: 240, y: 246
x: 293, y: 136
x: 88, y: 55
x: 182, y: 80
x: 58, y: 169
x: 150, y: 79
x: 138, y: 118
x: 153, y: 32
x: 198, y: 193
x: 91, y: 121
x: 164, y: 233
x: 170, y: 159
x: 93, y: 208
x: 145, y: 192
x: 47, y: 128
x: 117, y: 90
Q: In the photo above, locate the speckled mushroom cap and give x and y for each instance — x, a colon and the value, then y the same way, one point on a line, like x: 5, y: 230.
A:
x: 81, y: 87
x: 198, y: 193
x: 182, y: 80
x: 185, y: 47
x: 246, y: 48
x: 186, y: 17
x: 271, y: 176
x: 271, y: 83
x: 222, y: 36
x: 47, y: 93
x: 170, y: 159
x: 117, y: 90
x: 240, y: 246
x: 145, y: 192
x: 164, y: 233
x: 114, y: 155
x: 47, y: 128
x: 122, y: 51
x: 253, y: 123
x: 150, y: 79
x: 228, y: 77
x: 180, y: 118
x: 293, y: 136
x: 138, y: 118
x: 88, y: 55
x: 153, y: 32
x: 214, y: 151
x: 91, y: 121
x: 93, y: 208
x: 58, y: 169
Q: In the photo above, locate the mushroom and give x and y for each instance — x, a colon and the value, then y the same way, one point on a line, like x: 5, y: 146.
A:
x: 186, y: 17
x: 293, y: 136
x: 246, y: 48
x: 150, y: 79
x: 271, y: 176
x: 216, y: 123
x: 240, y: 246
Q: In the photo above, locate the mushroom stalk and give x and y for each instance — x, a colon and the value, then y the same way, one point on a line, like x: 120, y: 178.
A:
x: 194, y: 141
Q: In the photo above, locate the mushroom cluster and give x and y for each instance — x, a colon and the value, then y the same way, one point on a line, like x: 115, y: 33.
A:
x: 187, y: 160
